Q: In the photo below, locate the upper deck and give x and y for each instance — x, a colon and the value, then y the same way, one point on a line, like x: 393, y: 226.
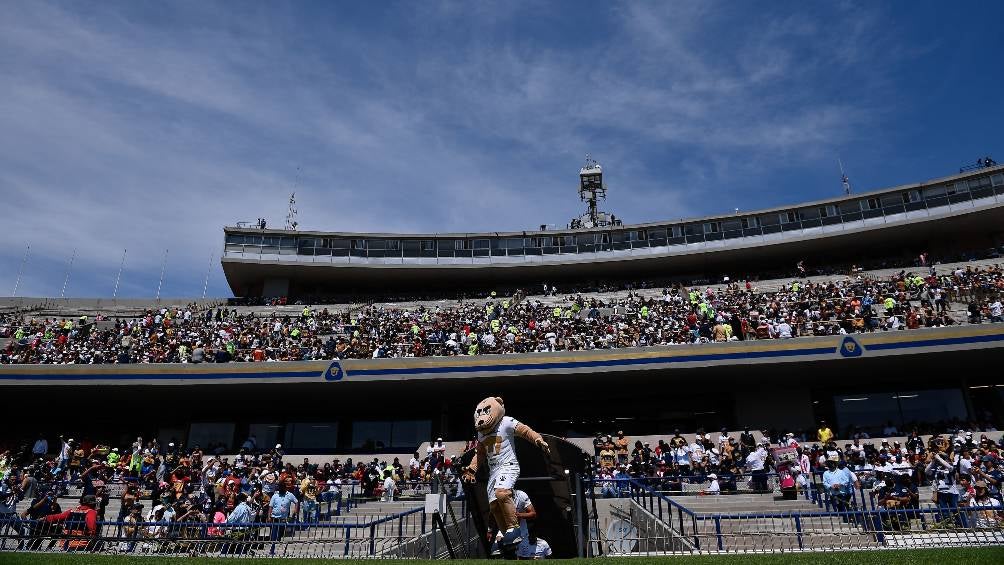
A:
x: 963, y: 205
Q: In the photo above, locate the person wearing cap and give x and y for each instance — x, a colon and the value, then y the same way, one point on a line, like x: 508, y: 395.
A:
x: 989, y: 513
x: 713, y: 487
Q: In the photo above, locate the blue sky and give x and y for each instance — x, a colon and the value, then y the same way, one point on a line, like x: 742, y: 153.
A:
x: 150, y: 125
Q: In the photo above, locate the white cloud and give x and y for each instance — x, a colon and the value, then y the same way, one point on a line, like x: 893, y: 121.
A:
x: 151, y: 131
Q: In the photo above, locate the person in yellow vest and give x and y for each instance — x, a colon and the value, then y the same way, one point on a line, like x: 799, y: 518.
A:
x: 824, y: 434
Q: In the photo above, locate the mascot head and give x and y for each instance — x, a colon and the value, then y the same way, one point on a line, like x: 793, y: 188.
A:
x: 488, y: 414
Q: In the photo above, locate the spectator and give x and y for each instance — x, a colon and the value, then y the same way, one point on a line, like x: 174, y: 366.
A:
x: 824, y: 434
x: 282, y: 507
x: 81, y: 524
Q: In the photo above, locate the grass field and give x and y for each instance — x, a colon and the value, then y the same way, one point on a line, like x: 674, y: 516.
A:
x: 888, y: 557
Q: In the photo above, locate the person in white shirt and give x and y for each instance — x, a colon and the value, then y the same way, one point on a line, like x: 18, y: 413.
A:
x: 535, y: 548
x: 696, y: 451
x: 389, y: 486
x: 783, y: 330
x: 901, y: 467
x: 713, y: 487
x: 755, y: 463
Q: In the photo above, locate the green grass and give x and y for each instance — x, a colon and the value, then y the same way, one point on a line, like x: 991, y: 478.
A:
x: 886, y: 557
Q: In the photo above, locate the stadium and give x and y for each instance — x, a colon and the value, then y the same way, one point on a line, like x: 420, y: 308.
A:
x: 698, y: 383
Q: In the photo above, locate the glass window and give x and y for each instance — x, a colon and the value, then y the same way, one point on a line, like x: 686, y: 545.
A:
x: 851, y: 207
x: 371, y: 435
x: 482, y: 243
x: 711, y: 227
x: 205, y: 435
x: 408, y: 434
x: 428, y: 245
x: 266, y: 435
x: 751, y: 222
x: 312, y: 435
x: 234, y: 238
x: 911, y: 196
x: 997, y: 179
x: 871, y: 411
x: 934, y: 191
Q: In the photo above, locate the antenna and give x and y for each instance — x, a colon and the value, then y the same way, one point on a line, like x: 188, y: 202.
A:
x: 843, y: 177
x: 205, y: 284
x: 69, y: 269
x: 20, y: 270
x: 163, y: 266
x: 291, y: 222
x: 118, y: 277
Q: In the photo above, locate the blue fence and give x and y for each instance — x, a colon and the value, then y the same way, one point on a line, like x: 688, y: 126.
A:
x: 858, y: 527
x: 275, y: 538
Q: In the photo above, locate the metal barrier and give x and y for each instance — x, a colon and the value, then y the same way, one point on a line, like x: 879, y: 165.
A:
x: 744, y: 484
x: 265, y: 539
x: 858, y: 528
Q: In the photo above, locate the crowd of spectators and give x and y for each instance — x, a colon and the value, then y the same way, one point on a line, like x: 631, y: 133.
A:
x: 186, y: 485
x: 963, y: 470
x: 499, y: 325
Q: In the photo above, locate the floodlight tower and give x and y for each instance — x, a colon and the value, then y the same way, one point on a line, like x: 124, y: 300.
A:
x: 591, y: 191
x: 591, y: 187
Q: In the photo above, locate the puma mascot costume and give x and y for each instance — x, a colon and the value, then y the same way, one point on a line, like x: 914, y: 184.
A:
x: 496, y: 435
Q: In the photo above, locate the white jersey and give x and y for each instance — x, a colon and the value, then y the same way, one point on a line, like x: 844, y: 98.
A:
x: 539, y: 550
x: 499, y: 446
x: 522, y: 501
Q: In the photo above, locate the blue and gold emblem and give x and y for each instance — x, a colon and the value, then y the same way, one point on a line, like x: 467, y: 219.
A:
x: 850, y: 348
x: 334, y: 371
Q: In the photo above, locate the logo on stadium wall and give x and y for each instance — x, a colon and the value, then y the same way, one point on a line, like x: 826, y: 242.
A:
x: 850, y: 348
x: 334, y: 371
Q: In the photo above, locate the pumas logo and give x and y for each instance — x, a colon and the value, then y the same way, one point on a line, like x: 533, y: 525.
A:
x: 334, y: 371
x: 850, y: 348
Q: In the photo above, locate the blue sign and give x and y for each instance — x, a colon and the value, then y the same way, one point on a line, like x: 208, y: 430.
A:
x: 851, y: 348
x: 334, y: 371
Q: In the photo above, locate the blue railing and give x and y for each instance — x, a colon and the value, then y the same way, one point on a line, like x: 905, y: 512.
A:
x: 282, y: 537
x: 858, y: 527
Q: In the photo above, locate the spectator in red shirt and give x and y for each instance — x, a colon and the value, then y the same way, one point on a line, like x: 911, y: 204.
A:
x: 80, y: 534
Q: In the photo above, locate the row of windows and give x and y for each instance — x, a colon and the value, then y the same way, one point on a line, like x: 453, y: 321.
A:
x: 850, y: 210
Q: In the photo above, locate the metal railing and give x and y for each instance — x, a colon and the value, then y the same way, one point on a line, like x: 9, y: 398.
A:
x: 260, y: 539
x: 855, y: 528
